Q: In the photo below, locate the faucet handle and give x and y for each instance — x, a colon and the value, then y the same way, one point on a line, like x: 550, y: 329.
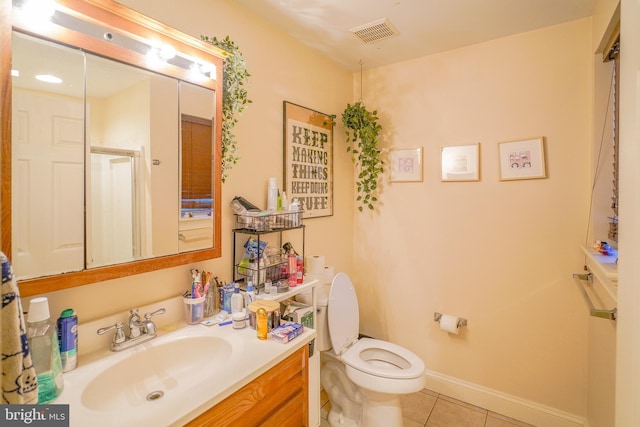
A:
x: 119, y: 337
x: 158, y: 312
x: 149, y: 325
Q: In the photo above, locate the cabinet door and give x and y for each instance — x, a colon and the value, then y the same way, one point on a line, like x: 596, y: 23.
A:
x: 279, y: 397
x: 287, y: 415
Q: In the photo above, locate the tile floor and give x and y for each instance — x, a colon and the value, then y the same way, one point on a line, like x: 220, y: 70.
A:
x: 429, y: 409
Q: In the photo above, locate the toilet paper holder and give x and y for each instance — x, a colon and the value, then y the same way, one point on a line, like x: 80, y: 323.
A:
x: 461, y: 322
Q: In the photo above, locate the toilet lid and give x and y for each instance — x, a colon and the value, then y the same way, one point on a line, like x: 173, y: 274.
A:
x: 342, y: 313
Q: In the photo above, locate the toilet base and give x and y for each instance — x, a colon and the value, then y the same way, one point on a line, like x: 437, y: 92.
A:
x: 346, y: 401
x: 337, y: 419
x: 380, y: 409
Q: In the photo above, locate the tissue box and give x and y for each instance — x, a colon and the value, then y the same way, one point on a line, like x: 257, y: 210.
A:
x: 297, y: 312
x: 287, y: 332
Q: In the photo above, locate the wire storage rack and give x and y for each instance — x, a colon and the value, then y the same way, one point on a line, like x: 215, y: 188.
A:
x: 265, y: 260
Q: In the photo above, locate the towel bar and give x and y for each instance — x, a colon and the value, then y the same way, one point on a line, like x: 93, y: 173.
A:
x: 595, y: 312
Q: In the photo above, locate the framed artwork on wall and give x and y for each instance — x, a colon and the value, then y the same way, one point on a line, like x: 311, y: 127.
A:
x: 308, y: 159
x: 460, y: 163
x: 522, y: 159
x: 406, y: 165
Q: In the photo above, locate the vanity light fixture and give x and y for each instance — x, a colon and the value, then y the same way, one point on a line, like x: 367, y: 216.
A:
x: 48, y: 78
x: 153, y: 58
x: 157, y: 57
x: 41, y: 12
x: 38, y: 14
x: 196, y: 72
x: 208, y: 70
x: 200, y: 72
x: 37, y: 10
x: 167, y: 52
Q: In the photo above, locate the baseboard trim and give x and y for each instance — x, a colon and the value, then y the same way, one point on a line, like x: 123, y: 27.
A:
x: 501, y: 403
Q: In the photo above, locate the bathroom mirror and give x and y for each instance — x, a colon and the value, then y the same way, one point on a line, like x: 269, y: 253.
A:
x: 125, y: 175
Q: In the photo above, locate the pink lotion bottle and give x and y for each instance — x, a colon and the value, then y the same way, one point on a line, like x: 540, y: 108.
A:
x: 293, y: 261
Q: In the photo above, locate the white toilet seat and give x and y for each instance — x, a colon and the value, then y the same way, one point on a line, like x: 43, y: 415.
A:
x: 374, y: 357
x: 383, y: 359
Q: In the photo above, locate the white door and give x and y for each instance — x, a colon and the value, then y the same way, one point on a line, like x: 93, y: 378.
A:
x: 48, y: 184
x: 628, y: 339
x: 112, y: 214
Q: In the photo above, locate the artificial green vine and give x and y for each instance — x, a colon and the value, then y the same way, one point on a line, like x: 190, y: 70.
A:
x: 234, y: 98
x: 362, y: 129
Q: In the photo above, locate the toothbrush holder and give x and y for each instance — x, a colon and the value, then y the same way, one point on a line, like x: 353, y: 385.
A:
x: 194, y: 309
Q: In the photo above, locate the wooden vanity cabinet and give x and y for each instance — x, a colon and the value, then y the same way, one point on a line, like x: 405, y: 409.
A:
x: 279, y: 397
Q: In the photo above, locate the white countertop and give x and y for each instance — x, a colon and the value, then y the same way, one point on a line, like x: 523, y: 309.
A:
x: 249, y: 359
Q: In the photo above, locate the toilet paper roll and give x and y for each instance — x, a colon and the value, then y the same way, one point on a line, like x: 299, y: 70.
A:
x: 449, y: 323
x: 327, y: 275
x: 314, y: 265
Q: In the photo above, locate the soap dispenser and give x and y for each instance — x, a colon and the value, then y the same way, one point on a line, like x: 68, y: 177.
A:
x: 45, y: 351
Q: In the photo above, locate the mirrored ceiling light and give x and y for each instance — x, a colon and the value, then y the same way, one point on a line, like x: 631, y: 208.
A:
x: 48, y: 78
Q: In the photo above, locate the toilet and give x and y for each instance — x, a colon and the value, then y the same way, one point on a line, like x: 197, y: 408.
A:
x: 364, y: 377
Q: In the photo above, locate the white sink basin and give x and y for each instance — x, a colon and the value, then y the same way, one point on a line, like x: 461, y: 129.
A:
x: 162, y: 372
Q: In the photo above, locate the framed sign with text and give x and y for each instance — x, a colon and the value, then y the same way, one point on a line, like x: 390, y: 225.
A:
x: 308, y: 159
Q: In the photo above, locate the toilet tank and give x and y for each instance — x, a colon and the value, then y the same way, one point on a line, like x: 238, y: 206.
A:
x: 323, y: 341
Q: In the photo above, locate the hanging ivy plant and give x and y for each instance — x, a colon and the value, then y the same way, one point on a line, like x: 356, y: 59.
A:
x: 234, y: 98
x: 362, y: 129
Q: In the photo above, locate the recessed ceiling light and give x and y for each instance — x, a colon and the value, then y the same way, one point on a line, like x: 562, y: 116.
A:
x: 48, y: 78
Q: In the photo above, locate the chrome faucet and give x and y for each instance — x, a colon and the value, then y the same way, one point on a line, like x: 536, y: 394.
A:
x: 139, y: 331
x: 135, y: 324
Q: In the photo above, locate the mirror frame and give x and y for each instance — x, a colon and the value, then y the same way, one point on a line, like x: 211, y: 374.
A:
x: 116, y: 17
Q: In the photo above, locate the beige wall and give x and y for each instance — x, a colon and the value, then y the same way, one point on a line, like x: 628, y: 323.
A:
x: 499, y: 254
x: 281, y: 69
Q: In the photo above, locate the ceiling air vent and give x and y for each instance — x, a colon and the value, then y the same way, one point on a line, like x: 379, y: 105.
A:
x: 375, y: 31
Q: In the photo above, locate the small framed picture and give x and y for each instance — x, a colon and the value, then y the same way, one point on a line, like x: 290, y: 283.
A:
x: 406, y: 165
x: 522, y: 159
x: 461, y: 163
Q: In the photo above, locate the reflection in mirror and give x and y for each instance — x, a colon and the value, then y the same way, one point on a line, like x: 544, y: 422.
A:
x: 197, y: 109
x: 114, y: 234
x: 47, y: 158
x: 132, y: 121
